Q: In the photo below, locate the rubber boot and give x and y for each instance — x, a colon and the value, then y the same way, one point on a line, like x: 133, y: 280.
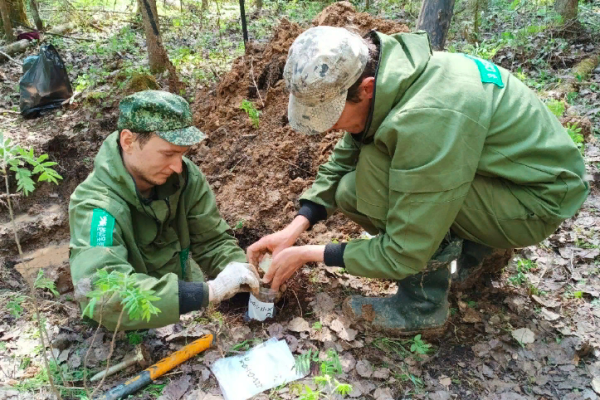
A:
x: 477, y: 260
x: 419, y: 306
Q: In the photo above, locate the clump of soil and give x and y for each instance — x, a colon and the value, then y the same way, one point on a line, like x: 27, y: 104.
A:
x: 258, y: 174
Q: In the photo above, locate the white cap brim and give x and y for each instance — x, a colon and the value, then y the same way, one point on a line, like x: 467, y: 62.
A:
x: 315, y: 119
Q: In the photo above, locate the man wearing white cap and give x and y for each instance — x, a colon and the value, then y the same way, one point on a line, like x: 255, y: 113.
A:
x: 446, y: 157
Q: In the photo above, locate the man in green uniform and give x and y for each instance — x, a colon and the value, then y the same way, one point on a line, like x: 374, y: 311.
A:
x: 147, y: 211
x: 446, y: 157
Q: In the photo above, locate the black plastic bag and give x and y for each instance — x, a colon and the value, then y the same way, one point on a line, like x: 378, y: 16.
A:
x: 45, y: 84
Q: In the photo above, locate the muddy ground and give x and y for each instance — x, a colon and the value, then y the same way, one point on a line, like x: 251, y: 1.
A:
x: 548, y: 298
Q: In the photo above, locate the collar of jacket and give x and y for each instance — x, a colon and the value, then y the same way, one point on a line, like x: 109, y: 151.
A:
x: 110, y: 170
x: 402, y: 58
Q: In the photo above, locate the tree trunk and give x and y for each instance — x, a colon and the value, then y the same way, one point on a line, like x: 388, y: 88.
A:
x: 434, y: 18
x: 36, y: 15
x: 567, y: 9
x: 6, y: 22
x: 259, y: 4
x: 17, y: 12
x: 204, y: 5
x: 157, y: 55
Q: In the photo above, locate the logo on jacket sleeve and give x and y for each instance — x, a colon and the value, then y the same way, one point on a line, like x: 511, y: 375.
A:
x: 101, y: 231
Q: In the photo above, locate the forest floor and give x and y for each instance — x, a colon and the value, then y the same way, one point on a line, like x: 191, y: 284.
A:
x: 548, y: 297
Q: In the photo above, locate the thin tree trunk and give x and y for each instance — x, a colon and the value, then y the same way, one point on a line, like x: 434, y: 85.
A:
x: 39, y: 24
x: 567, y: 9
x: 17, y: 12
x: 204, y: 5
x: 6, y: 22
x: 434, y: 18
x: 259, y: 4
x: 157, y: 55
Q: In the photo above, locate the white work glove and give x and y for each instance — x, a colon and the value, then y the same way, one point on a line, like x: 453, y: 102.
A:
x: 230, y: 280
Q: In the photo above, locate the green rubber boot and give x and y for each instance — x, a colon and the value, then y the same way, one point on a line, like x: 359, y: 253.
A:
x: 419, y: 306
x: 476, y: 261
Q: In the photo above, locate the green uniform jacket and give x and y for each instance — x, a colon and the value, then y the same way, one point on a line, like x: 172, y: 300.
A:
x: 433, y: 126
x: 150, y: 240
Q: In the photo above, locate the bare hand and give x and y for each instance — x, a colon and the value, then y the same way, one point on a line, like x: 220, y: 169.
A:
x: 288, y: 261
x: 278, y: 241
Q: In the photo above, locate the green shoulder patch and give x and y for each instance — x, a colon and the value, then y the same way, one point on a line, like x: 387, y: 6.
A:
x: 488, y: 71
x: 101, y: 232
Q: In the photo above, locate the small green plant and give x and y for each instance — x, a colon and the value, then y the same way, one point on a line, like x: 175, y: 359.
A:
x: 134, y: 338
x: 557, y: 107
x: 15, y: 157
x: 135, y: 300
x: 575, y: 134
x: 317, y: 326
x: 304, y: 361
x: 252, y: 112
x: 239, y: 225
x: 18, y: 160
x: 14, y: 306
x: 332, y: 364
x: 45, y: 283
x: 523, y: 267
x: 327, y: 385
x: 419, y: 346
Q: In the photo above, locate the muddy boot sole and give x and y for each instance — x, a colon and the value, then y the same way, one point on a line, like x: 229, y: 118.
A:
x: 367, y: 317
x: 494, y: 263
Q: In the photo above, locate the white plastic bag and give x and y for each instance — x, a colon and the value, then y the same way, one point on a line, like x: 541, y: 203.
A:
x: 265, y: 366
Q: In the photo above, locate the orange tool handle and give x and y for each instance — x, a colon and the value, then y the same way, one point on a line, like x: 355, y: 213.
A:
x: 180, y: 356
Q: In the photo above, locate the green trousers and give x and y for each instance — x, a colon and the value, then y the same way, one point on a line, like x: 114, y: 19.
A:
x: 490, y: 214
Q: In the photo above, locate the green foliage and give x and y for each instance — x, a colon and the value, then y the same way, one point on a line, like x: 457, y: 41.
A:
x: 239, y: 225
x: 136, y: 301
x: 15, y: 157
x: 14, y: 305
x: 326, y: 382
x: 252, y: 112
x: 575, y: 134
x: 317, y: 326
x: 523, y: 267
x: 134, y: 338
x: 331, y: 365
x: 557, y: 107
x: 304, y: 361
x: 45, y: 283
x: 403, y: 348
x: 419, y: 346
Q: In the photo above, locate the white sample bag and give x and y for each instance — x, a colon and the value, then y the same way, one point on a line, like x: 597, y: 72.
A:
x: 266, y: 366
x: 259, y: 310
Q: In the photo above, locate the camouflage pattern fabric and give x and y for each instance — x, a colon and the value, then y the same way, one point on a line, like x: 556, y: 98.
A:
x: 322, y: 64
x: 164, y: 113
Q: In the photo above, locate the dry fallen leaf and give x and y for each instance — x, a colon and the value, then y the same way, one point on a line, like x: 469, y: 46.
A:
x: 176, y: 389
x: 523, y: 335
x: 364, y: 368
x: 445, y: 381
x: 298, y: 324
x: 549, y: 315
x: 596, y: 385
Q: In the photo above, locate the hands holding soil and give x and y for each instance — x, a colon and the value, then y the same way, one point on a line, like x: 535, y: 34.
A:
x: 287, y: 258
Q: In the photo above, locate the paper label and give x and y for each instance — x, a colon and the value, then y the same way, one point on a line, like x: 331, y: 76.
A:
x: 258, y: 310
x: 266, y: 366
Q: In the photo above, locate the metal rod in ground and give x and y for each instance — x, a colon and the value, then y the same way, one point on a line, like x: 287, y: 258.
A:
x: 244, y: 25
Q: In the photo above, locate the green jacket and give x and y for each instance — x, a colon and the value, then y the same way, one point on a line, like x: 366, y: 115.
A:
x: 434, y: 124
x: 113, y: 227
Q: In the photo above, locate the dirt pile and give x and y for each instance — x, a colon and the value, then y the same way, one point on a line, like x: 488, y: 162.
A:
x: 259, y: 173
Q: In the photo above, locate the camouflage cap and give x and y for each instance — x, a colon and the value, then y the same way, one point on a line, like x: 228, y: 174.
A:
x: 322, y: 64
x: 164, y: 113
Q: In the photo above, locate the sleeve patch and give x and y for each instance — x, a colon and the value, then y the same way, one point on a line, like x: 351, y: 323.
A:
x: 101, y: 232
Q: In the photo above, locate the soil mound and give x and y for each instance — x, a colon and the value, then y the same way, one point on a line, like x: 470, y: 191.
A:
x: 259, y: 173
